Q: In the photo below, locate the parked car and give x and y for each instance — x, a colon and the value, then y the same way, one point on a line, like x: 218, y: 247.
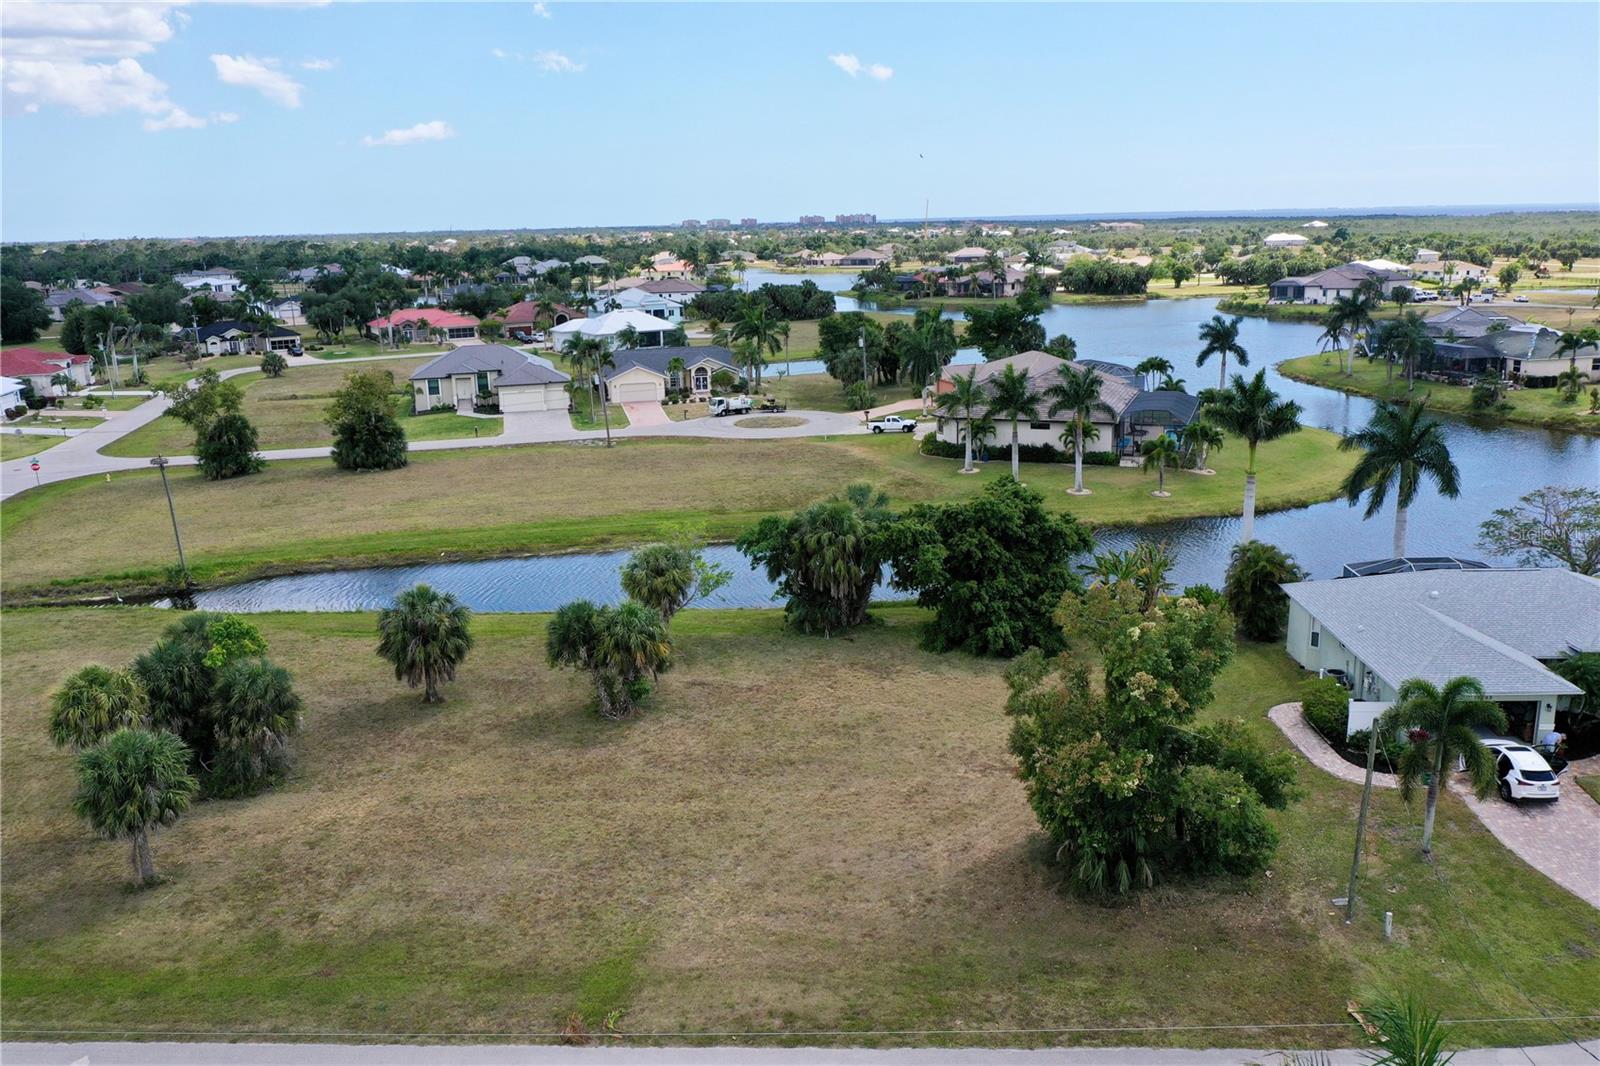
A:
x: 730, y: 405
x: 892, y: 424
x: 1522, y: 772
x: 1519, y: 299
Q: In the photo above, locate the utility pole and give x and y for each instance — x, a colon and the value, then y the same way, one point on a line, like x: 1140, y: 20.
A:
x: 160, y: 463
x: 865, y: 388
x: 1361, y: 824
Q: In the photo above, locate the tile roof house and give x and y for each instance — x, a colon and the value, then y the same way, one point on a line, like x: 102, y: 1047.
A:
x: 968, y: 255
x: 418, y: 324
x: 230, y: 337
x: 519, y: 381
x: 1326, y: 286
x: 1137, y: 415
x: 1503, y: 627
x: 1283, y: 240
x: 524, y: 317
x: 864, y: 257
x: 219, y: 280
x: 641, y: 298
x: 644, y: 374
x: 606, y: 326
x: 37, y: 368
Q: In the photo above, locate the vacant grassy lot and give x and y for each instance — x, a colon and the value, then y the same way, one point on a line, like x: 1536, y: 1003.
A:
x: 302, y: 514
x: 287, y: 412
x: 165, y: 370
x: 121, y: 402
x: 818, y: 392
x: 15, y: 447
x: 1536, y: 407
x: 798, y: 834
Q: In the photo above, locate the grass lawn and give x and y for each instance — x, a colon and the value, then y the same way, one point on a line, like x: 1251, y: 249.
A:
x: 15, y: 447
x: 121, y: 402
x: 166, y: 371
x: 303, y: 514
x: 1538, y: 407
x: 792, y: 837
x: 817, y: 392
x: 57, y: 419
x: 287, y: 412
x: 682, y: 412
x: 1591, y: 785
x: 582, y: 420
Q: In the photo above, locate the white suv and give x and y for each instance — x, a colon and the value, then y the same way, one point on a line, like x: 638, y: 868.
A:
x: 1522, y: 772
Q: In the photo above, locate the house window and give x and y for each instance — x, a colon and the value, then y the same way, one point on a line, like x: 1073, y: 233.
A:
x: 433, y: 386
x: 1594, y: 364
x: 1153, y: 418
x: 1316, y: 637
x: 483, y: 381
x: 1039, y: 425
x: 702, y: 379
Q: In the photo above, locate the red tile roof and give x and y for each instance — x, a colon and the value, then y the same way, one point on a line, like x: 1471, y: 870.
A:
x: 29, y: 362
x: 436, y: 318
x: 526, y: 313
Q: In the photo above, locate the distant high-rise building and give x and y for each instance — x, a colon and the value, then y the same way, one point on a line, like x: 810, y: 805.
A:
x: 812, y: 220
x: 747, y: 222
x: 718, y: 223
x: 691, y: 223
x: 862, y: 219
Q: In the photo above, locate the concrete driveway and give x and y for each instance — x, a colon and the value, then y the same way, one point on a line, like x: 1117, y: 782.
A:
x: 646, y: 413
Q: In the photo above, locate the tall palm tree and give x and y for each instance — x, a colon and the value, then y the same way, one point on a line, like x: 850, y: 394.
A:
x: 1151, y: 366
x: 1442, y: 724
x: 932, y: 344
x: 1250, y: 409
x: 93, y: 703
x: 1571, y: 343
x: 256, y: 710
x: 1160, y: 453
x: 1411, y: 343
x: 1203, y: 437
x: 1348, y: 317
x: 425, y: 635
x: 676, y: 370
x: 1221, y: 337
x: 604, y: 359
x: 583, y: 355
x: 1400, y: 447
x: 627, y: 338
x: 996, y: 267
x: 760, y: 330
x: 131, y: 783
x: 1013, y: 396
x: 959, y: 403
x: 1078, y: 392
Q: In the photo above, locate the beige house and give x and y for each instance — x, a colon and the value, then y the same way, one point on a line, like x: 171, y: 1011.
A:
x: 519, y: 381
x: 1453, y: 271
x: 645, y: 374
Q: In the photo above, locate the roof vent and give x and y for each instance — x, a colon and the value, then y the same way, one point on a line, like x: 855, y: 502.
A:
x: 1433, y: 594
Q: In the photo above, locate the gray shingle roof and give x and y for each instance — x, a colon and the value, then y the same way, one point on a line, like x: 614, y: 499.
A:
x: 656, y: 359
x: 228, y: 325
x: 515, y: 367
x: 1494, y: 625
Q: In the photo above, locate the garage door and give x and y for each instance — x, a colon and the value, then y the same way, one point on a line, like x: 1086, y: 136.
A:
x: 516, y: 398
x: 636, y: 391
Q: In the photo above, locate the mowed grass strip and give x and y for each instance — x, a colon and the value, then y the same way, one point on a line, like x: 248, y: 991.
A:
x: 797, y: 834
x: 1537, y: 407
x: 288, y: 412
x: 561, y: 497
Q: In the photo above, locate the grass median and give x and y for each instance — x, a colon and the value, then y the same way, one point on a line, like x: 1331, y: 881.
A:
x: 546, y: 498
x: 798, y: 834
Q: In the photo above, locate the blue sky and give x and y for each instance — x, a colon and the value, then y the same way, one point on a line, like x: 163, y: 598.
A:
x: 230, y: 119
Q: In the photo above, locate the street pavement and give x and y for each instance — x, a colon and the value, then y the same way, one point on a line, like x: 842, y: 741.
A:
x: 168, y: 1054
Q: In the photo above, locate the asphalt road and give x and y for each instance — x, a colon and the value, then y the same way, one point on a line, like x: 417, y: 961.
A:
x: 159, y: 1054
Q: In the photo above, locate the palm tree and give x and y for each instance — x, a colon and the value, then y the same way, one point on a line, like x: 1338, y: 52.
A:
x: 959, y: 403
x: 759, y: 330
x: 1201, y: 435
x: 1408, y: 1033
x: 996, y: 267
x: 1251, y: 410
x: 1151, y: 366
x: 627, y: 338
x: 1078, y: 392
x: 1013, y: 397
x: 1401, y: 446
x: 425, y: 635
x: 545, y: 311
x: 1221, y: 337
x: 932, y: 344
x: 1572, y: 343
x: 583, y: 355
x: 1442, y: 725
x: 618, y: 646
x: 676, y: 370
x: 93, y: 703
x: 1570, y: 383
x: 1160, y: 452
x: 256, y: 710
x: 130, y: 783
x: 1349, y: 317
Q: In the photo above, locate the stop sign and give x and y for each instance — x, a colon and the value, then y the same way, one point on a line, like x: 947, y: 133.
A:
x: 35, y: 465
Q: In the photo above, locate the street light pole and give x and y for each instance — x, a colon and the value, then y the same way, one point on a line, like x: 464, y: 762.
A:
x: 160, y: 463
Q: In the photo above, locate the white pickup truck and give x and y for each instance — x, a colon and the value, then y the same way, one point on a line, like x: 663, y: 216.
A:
x: 893, y: 424
x: 730, y: 405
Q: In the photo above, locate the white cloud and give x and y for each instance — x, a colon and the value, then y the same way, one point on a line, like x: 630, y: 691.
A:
x: 262, y: 75
x: 556, y: 63
x: 61, y: 32
x: 852, y: 65
x: 501, y: 53
x: 87, y: 88
x: 437, y: 130
x: 542, y: 11
x: 176, y: 119
x: 318, y: 64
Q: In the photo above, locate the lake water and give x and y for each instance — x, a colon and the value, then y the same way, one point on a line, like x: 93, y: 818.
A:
x: 1497, y: 466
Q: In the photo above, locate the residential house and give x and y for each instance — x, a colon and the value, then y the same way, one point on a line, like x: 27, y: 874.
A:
x: 419, y: 323
x: 1326, y: 286
x: 644, y: 374
x: 1061, y: 251
x: 641, y: 298
x: 968, y: 255
x: 823, y: 259
x: 1427, y: 255
x: 306, y: 275
x: 523, y: 318
x: 1284, y: 240
x: 288, y: 310
x: 1315, y: 224
x: 229, y: 337
x: 1136, y: 414
x: 1447, y: 271
x: 1388, y: 265
x: 220, y: 281
x: 11, y: 390
x: 1474, y: 340
x: 56, y: 301
x: 651, y: 330
x: 518, y: 381
x: 591, y: 261
x: 1503, y: 627
x: 864, y: 257
x: 37, y: 368
x: 619, y: 284
x: 667, y: 268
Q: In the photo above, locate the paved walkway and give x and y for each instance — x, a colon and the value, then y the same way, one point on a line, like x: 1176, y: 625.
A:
x: 646, y: 413
x: 1561, y: 840
x: 163, y: 1054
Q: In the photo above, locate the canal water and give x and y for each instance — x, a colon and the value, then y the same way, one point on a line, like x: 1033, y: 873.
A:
x: 1497, y: 465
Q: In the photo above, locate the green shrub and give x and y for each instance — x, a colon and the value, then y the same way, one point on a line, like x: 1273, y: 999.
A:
x: 1326, y: 705
x: 1028, y: 453
x: 1253, y: 587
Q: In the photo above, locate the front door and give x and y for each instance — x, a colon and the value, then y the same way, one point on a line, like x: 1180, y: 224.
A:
x: 702, y: 379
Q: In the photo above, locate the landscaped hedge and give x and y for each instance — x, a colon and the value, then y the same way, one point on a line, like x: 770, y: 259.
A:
x: 1029, y: 453
x: 1326, y: 705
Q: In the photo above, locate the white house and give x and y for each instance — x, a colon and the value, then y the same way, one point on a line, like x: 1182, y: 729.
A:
x: 229, y: 337
x: 641, y: 299
x: 1447, y: 270
x: 1326, y: 286
x: 1427, y: 255
x: 652, y: 330
x: 519, y: 381
x: 11, y: 392
x: 1503, y: 627
x: 37, y: 368
x: 220, y: 280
